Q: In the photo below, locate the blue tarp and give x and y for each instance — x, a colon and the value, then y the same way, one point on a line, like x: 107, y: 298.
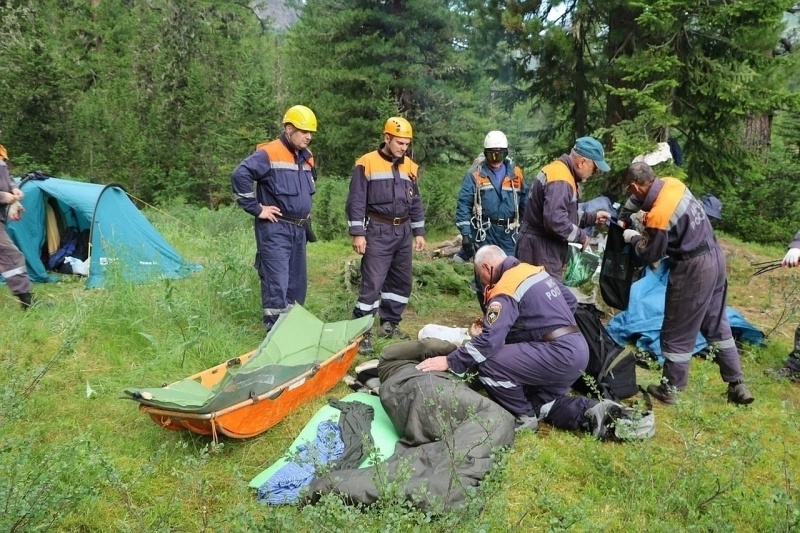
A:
x: 120, y: 236
x: 645, y: 314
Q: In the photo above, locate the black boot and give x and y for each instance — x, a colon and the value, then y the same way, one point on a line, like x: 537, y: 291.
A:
x: 365, y: 348
x: 26, y: 300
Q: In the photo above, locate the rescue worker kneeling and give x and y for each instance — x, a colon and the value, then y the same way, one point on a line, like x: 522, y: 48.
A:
x: 530, y: 351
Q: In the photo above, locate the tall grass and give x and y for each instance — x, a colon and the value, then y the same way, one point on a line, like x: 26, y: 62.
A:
x: 78, y: 462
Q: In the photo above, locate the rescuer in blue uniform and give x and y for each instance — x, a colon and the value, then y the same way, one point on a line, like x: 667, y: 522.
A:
x: 530, y: 351
x: 551, y: 219
x: 280, y: 202
x: 12, y: 262
x: 491, y: 200
x: 384, y: 210
x: 676, y: 226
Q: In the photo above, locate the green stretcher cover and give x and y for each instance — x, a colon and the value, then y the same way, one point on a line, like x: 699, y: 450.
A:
x: 296, y: 343
x: 383, y: 434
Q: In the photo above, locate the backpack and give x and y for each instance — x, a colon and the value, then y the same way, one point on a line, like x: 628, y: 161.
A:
x: 612, y: 368
x: 617, y: 269
x: 609, y: 420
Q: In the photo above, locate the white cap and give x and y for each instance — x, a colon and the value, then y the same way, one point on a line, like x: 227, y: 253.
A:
x: 495, y: 139
x: 659, y: 155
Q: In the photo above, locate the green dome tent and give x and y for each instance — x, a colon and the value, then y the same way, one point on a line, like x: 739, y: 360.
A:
x: 119, y: 236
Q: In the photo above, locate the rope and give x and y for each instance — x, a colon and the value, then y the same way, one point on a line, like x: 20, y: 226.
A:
x: 150, y: 206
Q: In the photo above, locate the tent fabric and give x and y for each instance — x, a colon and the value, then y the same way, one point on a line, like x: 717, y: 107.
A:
x: 383, y: 434
x: 296, y: 343
x: 121, y: 238
x: 641, y: 321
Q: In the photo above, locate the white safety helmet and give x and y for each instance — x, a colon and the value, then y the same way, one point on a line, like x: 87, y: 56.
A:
x: 495, y: 140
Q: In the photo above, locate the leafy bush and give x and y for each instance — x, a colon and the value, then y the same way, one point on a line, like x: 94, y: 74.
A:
x: 764, y: 207
x: 330, y: 220
x: 439, y: 188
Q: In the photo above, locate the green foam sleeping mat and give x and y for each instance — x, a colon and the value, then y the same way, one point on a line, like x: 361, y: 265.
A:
x: 383, y: 433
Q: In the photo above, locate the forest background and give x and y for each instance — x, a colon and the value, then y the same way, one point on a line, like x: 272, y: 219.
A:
x: 165, y: 97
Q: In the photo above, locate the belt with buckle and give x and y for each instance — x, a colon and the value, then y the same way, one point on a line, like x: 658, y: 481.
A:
x: 560, y: 332
x: 700, y: 250
x: 396, y: 221
x: 534, y: 336
x: 500, y: 221
x: 295, y: 221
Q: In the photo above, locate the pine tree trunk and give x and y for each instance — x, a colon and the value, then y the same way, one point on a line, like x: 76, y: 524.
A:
x: 757, y: 134
x: 621, y: 42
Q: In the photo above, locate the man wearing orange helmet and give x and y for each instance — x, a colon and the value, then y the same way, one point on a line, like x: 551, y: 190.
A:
x: 280, y: 203
x: 12, y: 262
x: 384, y: 210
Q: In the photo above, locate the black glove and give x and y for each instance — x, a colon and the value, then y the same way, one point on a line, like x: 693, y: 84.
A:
x: 467, y: 247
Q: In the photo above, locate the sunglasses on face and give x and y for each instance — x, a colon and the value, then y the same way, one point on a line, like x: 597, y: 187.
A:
x: 495, y: 156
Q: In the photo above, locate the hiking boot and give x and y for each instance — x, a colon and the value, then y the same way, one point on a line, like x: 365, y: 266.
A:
x: 663, y: 393
x: 25, y: 300
x: 783, y: 372
x: 526, y: 422
x: 391, y: 331
x: 738, y: 394
x: 28, y: 300
x: 599, y: 418
x: 365, y: 348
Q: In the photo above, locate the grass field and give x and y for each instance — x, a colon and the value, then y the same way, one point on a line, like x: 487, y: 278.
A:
x: 71, y: 462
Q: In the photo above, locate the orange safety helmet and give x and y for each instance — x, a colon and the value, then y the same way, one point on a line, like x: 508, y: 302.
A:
x: 301, y: 118
x: 3, y: 153
x: 398, y: 127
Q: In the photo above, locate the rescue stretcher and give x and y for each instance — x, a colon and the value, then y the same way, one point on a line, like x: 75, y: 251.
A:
x: 301, y: 359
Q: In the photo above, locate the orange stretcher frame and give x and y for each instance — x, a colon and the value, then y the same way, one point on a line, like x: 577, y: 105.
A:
x: 255, y: 415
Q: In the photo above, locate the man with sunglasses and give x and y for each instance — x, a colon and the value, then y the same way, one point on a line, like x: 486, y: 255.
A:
x: 491, y: 201
x: 551, y: 219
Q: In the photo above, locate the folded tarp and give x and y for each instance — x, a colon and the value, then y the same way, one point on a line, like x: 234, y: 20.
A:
x: 641, y: 321
x: 296, y: 343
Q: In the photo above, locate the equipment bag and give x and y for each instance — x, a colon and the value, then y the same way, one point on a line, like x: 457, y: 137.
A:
x: 617, y: 270
x: 611, y: 372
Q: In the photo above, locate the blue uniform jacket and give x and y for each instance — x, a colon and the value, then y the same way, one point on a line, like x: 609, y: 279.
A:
x: 497, y: 205
x: 675, y: 222
x: 535, y: 304
x: 387, y: 187
x: 283, y: 176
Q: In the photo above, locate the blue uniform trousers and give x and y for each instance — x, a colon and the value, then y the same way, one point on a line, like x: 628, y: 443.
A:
x: 524, y: 376
x: 695, y: 302
x: 281, y: 265
x: 543, y: 251
x: 385, y: 272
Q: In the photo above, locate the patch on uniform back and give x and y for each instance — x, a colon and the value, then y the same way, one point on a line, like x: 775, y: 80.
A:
x: 493, y: 312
